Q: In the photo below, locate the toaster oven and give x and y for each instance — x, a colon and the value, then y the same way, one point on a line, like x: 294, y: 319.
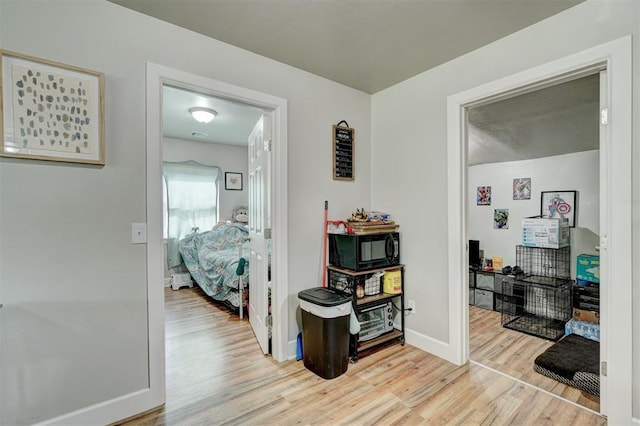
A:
x: 375, y: 320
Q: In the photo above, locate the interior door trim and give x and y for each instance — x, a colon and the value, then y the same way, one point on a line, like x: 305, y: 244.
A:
x: 616, y: 333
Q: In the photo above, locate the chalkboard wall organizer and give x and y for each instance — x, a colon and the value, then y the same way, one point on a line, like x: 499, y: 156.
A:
x: 343, y: 152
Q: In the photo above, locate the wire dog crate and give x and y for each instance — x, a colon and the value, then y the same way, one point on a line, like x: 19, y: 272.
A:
x: 537, y: 307
x: 539, y: 302
x: 544, y: 262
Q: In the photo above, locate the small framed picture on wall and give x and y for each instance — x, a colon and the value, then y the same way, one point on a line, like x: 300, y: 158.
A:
x: 233, y: 181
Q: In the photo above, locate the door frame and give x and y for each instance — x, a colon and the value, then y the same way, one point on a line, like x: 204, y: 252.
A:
x: 615, y: 208
x: 157, y: 76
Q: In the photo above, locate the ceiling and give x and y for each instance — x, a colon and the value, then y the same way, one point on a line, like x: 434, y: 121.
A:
x: 231, y: 126
x: 356, y: 43
x: 561, y: 119
x: 365, y: 44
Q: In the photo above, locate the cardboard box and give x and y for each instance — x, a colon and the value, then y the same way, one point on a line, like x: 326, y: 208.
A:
x: 497, y: 263
x: 587, y: 316
x: 588, y: 268
x: 392, y: 282
x: 545, y: 232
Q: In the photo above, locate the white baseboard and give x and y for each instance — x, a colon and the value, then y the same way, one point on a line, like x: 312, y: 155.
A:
x: 167, y: 281
x: 429, y: 344
x: 635, y: 420
x: 292, y: 349
x: 413, y: 338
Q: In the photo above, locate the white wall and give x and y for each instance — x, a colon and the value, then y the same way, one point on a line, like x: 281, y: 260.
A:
x: 578, y: 171
x: 229, y: 158
x: 74, y: 223
x: 410, y: 153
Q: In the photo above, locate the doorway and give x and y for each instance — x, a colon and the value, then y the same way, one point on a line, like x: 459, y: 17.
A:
x: 202, y: 157
x: 615, y: 211
x: 543, y: 140
x: 157, y: 77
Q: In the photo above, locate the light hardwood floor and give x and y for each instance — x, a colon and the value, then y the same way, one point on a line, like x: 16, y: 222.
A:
x: 216, y: 374
x: 513, y: 353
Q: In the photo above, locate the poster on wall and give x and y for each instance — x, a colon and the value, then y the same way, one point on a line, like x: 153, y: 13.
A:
x: 559, y: 205
x: 522, y: 189
x: 483, y: 197
x: 501, y: 219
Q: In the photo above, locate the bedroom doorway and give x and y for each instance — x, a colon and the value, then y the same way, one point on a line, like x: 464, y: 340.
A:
x: 233, y: 142
x: 157, y: 77
x: 205, y: 169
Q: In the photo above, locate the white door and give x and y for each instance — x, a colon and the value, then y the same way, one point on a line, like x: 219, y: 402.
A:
x: 259, y: 228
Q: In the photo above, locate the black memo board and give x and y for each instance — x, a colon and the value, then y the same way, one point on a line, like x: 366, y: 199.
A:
x: 343, y: 152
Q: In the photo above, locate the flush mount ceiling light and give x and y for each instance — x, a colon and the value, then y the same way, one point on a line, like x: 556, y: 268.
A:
x: 203, y: 115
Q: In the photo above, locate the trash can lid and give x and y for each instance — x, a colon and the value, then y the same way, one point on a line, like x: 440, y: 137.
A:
x: 324, y: 296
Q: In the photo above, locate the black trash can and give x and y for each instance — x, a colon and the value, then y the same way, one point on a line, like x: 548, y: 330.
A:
x: 325, y: 331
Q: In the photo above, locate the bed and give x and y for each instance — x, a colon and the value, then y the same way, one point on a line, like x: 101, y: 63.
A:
x: 574, y: 361
x: 213, y: 259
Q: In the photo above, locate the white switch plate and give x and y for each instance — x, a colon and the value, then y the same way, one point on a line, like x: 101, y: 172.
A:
x: 138, y: 233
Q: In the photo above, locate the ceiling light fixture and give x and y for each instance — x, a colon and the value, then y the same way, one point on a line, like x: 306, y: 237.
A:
x: 203, y: 115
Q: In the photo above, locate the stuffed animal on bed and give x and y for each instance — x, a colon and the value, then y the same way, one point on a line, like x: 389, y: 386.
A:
x: 241, y: 214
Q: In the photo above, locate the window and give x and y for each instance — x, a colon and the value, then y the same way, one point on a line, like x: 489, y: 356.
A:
x: 191, y: 202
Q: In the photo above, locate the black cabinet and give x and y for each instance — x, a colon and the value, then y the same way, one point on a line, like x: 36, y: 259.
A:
x: 587, y: 297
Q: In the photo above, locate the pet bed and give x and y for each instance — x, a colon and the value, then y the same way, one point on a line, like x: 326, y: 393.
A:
x: 574, y: 361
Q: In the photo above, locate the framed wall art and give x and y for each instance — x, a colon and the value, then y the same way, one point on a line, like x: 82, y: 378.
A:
x: 559, y: 204
x: 51, y: 111
x: 233, y: 181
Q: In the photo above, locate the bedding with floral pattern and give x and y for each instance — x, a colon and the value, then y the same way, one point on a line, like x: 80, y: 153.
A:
x: 212, y: 259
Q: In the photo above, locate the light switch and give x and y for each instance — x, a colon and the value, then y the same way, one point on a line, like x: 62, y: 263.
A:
x: 138, y: 233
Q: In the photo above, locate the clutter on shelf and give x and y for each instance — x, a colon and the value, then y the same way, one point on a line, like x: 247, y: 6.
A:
x: 361, y: 215
x: 363, y: 222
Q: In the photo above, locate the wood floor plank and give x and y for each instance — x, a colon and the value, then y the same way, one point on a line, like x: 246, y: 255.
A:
x: 513, y: 353
x: 217, y: 375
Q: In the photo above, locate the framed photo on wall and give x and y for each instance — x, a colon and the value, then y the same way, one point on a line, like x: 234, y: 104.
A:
x: 559, y: 205
x: 233, y: 181
x: 51, y: 111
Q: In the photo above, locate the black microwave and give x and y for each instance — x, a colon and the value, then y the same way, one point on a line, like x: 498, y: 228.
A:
x: 362, y: 252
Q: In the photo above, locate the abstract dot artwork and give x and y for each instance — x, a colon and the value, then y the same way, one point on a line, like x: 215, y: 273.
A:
x: 37, y: 95
x: 50, y: 111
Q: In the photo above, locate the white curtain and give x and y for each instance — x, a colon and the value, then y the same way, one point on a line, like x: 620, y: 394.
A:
x: 192, y: 202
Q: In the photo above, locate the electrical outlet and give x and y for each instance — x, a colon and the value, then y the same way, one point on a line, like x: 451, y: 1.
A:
x: 412, y: 306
